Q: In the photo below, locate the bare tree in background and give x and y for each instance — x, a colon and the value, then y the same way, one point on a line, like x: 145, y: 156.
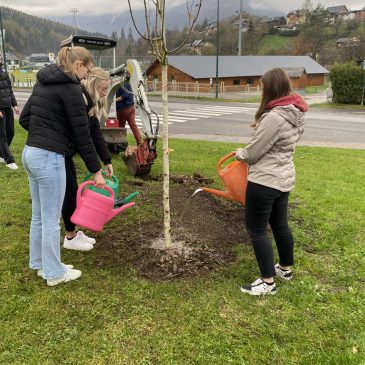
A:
x: 155, y: 34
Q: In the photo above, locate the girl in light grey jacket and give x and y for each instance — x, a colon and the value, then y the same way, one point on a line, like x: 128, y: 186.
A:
x: 279, y: 124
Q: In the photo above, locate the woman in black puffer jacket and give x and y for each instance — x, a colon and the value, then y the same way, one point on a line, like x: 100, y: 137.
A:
x: 56, y: 120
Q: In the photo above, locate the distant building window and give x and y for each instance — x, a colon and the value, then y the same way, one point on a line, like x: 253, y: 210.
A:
x: 155, y: 77
x: 172, y: 78
x: 236, y: 82
x: 250, y: 81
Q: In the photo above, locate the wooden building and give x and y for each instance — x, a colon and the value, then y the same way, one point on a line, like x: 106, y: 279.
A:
x: 239, y: 70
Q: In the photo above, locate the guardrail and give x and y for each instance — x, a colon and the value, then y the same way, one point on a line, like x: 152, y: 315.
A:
x: 202, y: 89
x: 23, y: 78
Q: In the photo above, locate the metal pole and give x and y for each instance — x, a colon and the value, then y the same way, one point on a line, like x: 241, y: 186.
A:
x: 240, y: 31
x: 363, y: 90
x: 74, y: 11
x: 2, y: 39
x: 217, y: 56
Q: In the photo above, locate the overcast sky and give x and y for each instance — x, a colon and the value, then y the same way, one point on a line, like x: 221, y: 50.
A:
x: 57, y: 7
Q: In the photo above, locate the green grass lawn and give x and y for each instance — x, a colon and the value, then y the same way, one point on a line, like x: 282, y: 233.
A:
x: 316, y: 89
x: 339, y: 106
x: 270, y: 42
x: 111, y: 316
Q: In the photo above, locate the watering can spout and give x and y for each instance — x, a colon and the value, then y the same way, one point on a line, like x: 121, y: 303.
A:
x: 116, y: 211
x: 221, y: 193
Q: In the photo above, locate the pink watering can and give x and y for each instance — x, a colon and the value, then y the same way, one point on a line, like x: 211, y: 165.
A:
x: 234, y: 177
x: 93, y: 209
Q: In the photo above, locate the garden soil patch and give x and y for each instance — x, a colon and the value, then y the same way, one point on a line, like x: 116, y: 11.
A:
x: 205, y: 230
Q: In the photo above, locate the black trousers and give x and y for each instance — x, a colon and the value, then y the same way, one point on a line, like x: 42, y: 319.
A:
x: 265, y: 206
x: 6, y: 134
x: 69, y: 203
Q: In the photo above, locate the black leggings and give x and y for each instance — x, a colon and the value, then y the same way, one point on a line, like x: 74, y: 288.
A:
x: 6, y: 134
x: 265, y: 206
x: 69, y: 203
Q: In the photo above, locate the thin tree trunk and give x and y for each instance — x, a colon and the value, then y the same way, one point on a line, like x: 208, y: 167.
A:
x: 166, y: 167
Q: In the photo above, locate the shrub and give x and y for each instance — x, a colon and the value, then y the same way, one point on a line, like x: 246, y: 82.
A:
x: 347, y: 83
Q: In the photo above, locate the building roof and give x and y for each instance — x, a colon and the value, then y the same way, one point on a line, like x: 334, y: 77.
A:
x: 11, y: 57
x: 343, y: 40
x: 337, y: 9
x: 298, y: 12
x: 39, y: 55
x: 201, y: 67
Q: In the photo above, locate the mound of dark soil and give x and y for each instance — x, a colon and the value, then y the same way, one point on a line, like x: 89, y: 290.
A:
x: 205, y: 229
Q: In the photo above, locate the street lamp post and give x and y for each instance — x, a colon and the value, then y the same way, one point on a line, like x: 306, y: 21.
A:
x: 240, y: 31
x: 217, y: 56
x: 2, y: 38
x: 74, y: 11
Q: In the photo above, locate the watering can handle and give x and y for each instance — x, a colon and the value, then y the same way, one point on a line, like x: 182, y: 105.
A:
x: 87, y: 177
x: 223, y: 159
x: 89, y: 182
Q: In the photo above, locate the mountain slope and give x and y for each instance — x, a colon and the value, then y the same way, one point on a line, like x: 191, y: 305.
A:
x: 26, y: 34
x: 176, y: 17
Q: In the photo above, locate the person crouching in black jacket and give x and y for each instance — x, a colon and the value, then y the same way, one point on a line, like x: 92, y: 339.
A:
x: 55, y: 118
x: 7, y: 102
x: 95, y: 89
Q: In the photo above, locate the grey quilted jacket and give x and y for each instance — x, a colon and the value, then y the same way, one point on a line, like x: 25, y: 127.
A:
x: 270, y: 151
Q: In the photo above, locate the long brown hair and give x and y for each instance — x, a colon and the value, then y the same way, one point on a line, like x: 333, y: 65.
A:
x: 91, y: 84
x: 275, y: 84
x: 68, y: 55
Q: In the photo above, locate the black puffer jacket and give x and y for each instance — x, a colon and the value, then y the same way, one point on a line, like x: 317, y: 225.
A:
x: 7, y: 98
x: 56, y: 119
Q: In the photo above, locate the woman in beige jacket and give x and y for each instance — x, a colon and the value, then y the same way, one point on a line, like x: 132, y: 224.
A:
x: 279, y: 124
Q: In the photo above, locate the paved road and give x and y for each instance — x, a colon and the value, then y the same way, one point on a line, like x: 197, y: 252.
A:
x: 229, y: 122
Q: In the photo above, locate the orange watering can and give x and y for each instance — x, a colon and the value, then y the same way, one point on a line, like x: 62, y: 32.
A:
x: 234, y: 177
x: 93, y: 209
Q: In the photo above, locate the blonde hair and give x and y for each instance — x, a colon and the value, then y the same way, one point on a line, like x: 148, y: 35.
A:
x: 68, y: 55
x: 92, y: 84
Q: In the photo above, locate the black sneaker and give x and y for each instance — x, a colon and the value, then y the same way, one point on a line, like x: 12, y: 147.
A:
x: 259, y: 287
x: 283, y: 274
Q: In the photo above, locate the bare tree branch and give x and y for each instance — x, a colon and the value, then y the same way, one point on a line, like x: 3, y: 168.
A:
x: 199, y: 5
x: 147, y: 20
x: 134, y: 23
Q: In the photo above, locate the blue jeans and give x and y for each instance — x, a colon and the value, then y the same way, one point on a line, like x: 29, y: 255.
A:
x: 47, y: 181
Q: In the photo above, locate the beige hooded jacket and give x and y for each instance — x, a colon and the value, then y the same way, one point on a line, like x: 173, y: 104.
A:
x: 270, y: 151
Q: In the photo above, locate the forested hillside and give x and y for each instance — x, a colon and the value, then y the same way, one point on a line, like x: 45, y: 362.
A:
x: 26, y: 34
x: 316, y: 37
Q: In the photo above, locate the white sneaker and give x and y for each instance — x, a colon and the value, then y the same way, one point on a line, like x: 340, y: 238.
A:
x: 12, y: 166
x: 2, y: 160
x: 259, y: 287
x: 70, y: 274
x: 86, y: 238
x: 78, y: 243
x: 40, y: 271
x: 283, y: 274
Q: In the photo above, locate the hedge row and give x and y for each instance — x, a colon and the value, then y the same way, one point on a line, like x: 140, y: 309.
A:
x: 347, y: 83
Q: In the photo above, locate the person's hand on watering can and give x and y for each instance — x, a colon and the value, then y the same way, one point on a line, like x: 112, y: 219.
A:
x: 237, y: 151
x: 99, y: 180
x: 109, y: 170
